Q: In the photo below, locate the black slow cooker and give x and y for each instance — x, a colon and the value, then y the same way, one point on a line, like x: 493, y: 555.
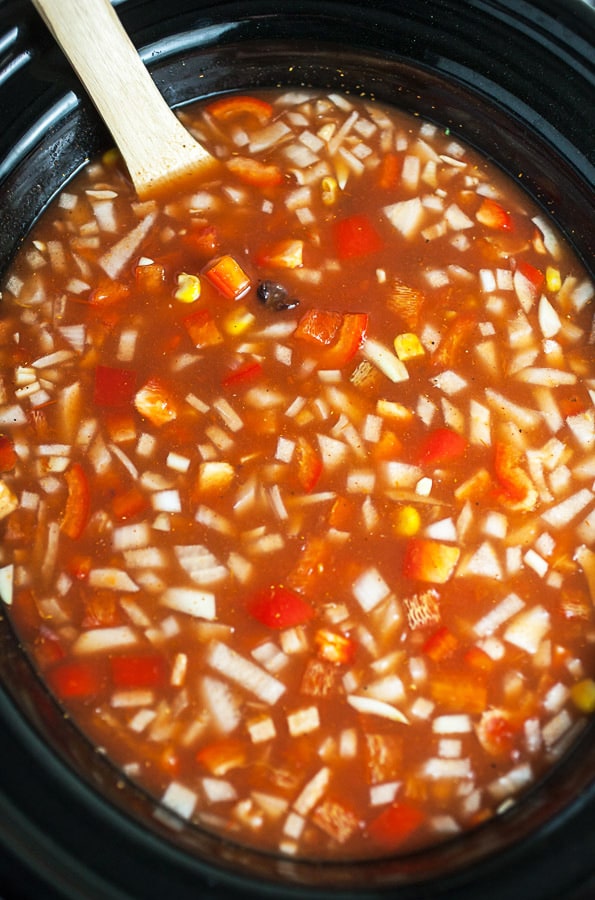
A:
x: 516, y: 80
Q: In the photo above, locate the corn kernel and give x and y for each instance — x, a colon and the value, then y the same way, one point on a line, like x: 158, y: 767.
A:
x: 406, y: 521
x: 553, y: 279
x: 188, y: 288
x: 583, y: 695
x: 408, y: 346
x: 238, y: 321
x: 330, y: 190
x: 110, y: 157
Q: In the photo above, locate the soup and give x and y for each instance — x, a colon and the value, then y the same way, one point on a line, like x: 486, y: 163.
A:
x: 297, y: 478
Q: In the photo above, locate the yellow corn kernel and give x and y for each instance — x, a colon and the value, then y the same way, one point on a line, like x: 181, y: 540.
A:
x: 406, y: 521
x: 110, y: 157
x: 330, y: 190
x: 238, y: 321
x: 188, y: 288
x: 583, y: 695
x: 408, y: 346
x: 553, y: 279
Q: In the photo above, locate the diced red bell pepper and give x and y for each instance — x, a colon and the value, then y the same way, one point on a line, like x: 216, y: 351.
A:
x: 227, y: 276
x: 309, y: 464
x: 351, y: 337
x: 478, y: 659
x: 225, y: 108
x: 454, y: 340
x: 457, y: 692
x: 75, y: 680
x: 441, y: 645
x: 129, y: 503
x: 286, y: 254
x: 254, y: 172
x: 533, y: 275
x: 390, y: 170
x: 138, y: 671
x: 494, y: 215
x: 431, y: 561
x: 113, y: 386
x: 8, y: 457
x: 221, y: 756
x: 319, y: 326
x: 108, y: 293
x: 79, y: 566
x: 441, y: 446
x: 356, y: 236
x: 202, y: 329
x: 395, y: 824
x: 204, y: 241
x: 248, y: 371
x: 335, y: 648
x: 78, y: 502
x: 280, y: 607
x: 515, y: 484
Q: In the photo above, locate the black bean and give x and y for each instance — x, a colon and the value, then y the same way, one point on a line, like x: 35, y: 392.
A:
x: 274, y: 296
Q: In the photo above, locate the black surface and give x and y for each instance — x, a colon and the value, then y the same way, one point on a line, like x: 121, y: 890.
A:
x: 515, y: 79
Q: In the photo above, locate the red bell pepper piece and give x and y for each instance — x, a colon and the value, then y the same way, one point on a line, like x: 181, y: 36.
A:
x: 75, y: 680
x: 113, y: 386
x: 309, y: 464
x: 78, y: 502
x: 129, y: 503
x: 280, y: 607
x: 252, y: 171
x: 225, y: 108
x: 108, y: 293
x: 515, y: 485
x: 319, y: 326
x: 202, y: 329
x: 351, y: 336
x: 441, y: 446
x: 140, y: 671
x: 228, y: 277
x: 8, y: 457
x: 431, y: 561
x: 356, y: 236
x: 494, y: 215
x: 441, y: 645
x: 390, y: 169
x: 248, y: 371
x: 395, y: 824
x: 533, y: 275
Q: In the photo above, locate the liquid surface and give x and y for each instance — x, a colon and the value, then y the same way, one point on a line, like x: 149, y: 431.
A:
x: 296, y: 478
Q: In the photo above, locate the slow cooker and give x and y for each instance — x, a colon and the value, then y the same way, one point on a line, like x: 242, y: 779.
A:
x: 512, y: 78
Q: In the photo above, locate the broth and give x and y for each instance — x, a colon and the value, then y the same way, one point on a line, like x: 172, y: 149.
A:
x: 297, y: 478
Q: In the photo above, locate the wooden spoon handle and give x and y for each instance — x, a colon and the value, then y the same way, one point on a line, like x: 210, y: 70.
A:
x: 157, y: 149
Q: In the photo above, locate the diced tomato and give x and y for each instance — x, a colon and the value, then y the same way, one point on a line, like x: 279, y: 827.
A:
x: 494, y: 215
x: 225, y: 108
x: 108, y: 293
x: 390, y: 170
x: 309, y: 464
x: 47, y: 649
x: 395, y: 824
x: 533, y: 275
x: 150, y: 278
x: 441, y: 446
x: 202, y: 329
x: 113, y: 386
x: 342, y: 514
x: 495, y: 732
x: 79, y: 566
x: 319, y: 326
x: 78, y: 502
x: 203, y: 241
x: 221, y: 756
x: 228, y: 277
x: 478, y: 659
x: 156, y: 402
x: 129, y: 503
x: 101, y: 610
x: 427, y: 560
x: 280, y: 607
x: 286, y: 254
x: 515, y: 486
x: 457, y: 692
x: 335, y: 648
x: 356, y: 236
x: 140, y: 671
x: 248, y: 371
x: 454, y: 340
x: 388, y: 447
x: 75, y: 680
x: 8, y: 457
x: 310, y: 566
x: 351, y: 337
x: 441, y: 645
x: 254, y: 172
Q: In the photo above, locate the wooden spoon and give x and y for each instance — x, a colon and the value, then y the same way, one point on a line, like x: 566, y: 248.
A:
x: 158, y: 151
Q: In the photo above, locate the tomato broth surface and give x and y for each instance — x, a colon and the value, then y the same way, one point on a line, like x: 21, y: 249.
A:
x: 297, y: 478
